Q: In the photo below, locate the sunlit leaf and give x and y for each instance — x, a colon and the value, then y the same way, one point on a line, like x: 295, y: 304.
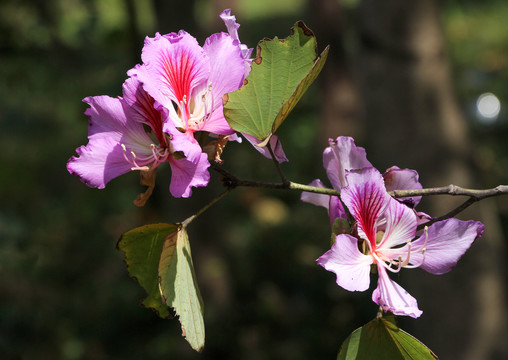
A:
x: 142, y: 247
x: 179, y: 288
x: 281, y: 73
x: 382, y: 339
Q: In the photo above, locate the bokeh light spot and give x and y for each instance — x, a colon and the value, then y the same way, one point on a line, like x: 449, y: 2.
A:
x: 488, y: 107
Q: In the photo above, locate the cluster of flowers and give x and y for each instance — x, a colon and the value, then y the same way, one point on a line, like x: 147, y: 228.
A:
x: 176, y: 92
x: 387, y: 232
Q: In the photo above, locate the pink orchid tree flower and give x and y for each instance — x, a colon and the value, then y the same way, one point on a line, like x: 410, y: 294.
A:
x: 189, y: 81
x: 341, y: 156
x: 176, y: 92
x: 118, y: 142
x: 386, y: 236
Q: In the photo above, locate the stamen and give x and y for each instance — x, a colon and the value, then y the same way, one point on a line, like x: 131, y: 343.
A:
x: 398, y: 263
x: 133, y: 160
x: 406, y: 262
x: 207, y: 114
x: 412, y: 266
x: 383, y: 260
x: 184, y: 112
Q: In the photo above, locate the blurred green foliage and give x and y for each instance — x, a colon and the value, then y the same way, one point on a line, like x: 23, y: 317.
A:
x: 64, y: 289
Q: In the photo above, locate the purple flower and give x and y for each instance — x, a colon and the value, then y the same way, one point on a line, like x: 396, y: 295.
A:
x: 189, y: 81
x: 176, y: 92
x: 119, y: 143
x: 342, y: 156
x: 386, y: 232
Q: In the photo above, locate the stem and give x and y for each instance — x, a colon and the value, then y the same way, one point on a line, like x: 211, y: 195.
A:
x: 187, y: 221
x: 452, y: 190
x: 450, y: 214
x: 232, y: 181
x: 475, y: 195
x: 277, y: 165
x: 313, y: 189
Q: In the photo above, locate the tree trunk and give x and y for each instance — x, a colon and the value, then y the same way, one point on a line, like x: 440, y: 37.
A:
x: 339, y: 99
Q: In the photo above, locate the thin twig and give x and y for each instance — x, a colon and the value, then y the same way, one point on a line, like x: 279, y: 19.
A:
x: 452, y: 213
x: 187, y: 221
x: 452, y: 190
x: 444, y: 190
x: 474, y: 195
x: 232, y: 181
x: 277, y: 165
x: 313, y: 189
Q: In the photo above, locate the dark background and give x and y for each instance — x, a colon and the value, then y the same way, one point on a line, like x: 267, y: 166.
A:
x: 403, y: 78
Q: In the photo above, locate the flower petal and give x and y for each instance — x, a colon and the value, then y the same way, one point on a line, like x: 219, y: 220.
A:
x: 103, y: 158
x: 366, y: 198
x: 186, y: 174
x: 343, y: 155
x: 232, y: 26
x: 348, y: 263
x: 139, y: 106
x: 400, y: 225
x: 174, y: 64
x: 274, y: 143
x: 184, y: 142
x: 99, y: 162
x: 316, y: 199
x: 331, y: 203
x: 227, y: 72
x: 422, y: 218
x: 445, y: 243
x: 403, y: 179
x: 336, y: 209
x: 108, y: 119
x: 216, y: 123
x: 226, y: 65
x: 392, y: 297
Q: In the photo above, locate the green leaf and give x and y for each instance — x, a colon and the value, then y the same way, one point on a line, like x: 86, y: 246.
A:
x: 177, y: 282
x: 142, y: 248
x: 281, y: 73
x: 382, y: 339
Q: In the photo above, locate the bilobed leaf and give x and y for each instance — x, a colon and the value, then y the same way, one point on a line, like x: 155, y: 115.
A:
x: 177, y: 282
x: 382, y: 339
x: 142, y: 248
x: 281, y: 73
